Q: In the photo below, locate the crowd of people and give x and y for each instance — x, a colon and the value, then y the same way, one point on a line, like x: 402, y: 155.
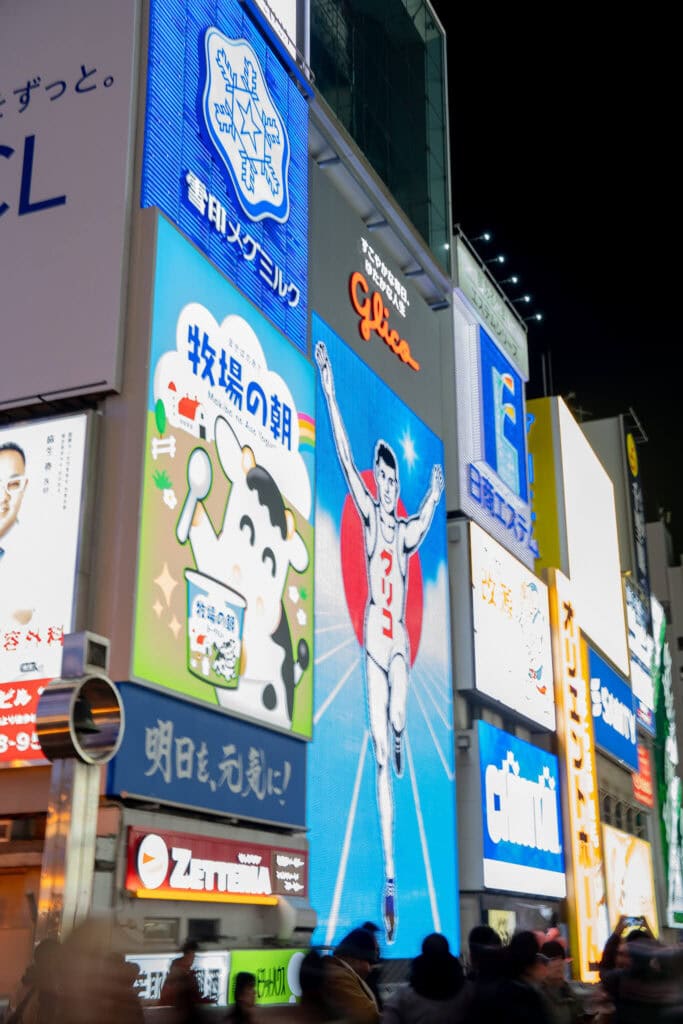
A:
x: 525, y: 981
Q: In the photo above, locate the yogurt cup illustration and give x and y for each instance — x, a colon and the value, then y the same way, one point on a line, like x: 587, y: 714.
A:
x: 215, y: 620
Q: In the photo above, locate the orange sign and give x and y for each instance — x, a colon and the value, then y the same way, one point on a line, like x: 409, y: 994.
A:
x: 588, y: 914
x: 374, y: 318
x: 642, y: 779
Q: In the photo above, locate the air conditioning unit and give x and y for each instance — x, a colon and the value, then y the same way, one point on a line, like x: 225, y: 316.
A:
x: 5, y: 830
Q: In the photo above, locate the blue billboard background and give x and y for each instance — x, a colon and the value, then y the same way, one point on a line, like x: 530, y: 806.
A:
x: 530, y: 841
x: 614, y: 712
x: 189, y: 756
x: 349, y: 866
x: 502, y: 391
x: 212, y: 133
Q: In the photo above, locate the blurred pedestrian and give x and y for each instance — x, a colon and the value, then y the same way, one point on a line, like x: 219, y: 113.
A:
x: 510, y: 992
x: 484, y: 972
x: 649, y: 990
x: 562, y: 1003
x: 313, y: 1006
x: 181, y: 988
x: 436, y: 980
x: 37, y: 999
x: 245, y: 999
x: 346, y: 973
x: 375, y: 976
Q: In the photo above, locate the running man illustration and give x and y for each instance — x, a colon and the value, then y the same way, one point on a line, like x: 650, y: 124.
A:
x: 390, y: 540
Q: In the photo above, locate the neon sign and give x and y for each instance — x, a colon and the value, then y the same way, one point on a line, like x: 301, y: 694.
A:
x: 374, y: 317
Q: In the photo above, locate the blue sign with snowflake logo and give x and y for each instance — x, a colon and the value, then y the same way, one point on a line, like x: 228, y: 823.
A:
x: 225, y: 154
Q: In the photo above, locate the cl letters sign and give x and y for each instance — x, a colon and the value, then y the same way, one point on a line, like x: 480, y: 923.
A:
x: 374, y: 319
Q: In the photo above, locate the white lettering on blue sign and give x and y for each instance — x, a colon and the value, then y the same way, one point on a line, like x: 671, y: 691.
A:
x: 235, y: 234
x: 519, y: 810
x: 513, y: 517
x: 612, y: 711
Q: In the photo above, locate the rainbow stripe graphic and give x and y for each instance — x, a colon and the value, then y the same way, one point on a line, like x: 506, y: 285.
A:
x: 306, y: 433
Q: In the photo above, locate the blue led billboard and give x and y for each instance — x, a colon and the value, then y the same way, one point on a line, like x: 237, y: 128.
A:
x: 614, y: 712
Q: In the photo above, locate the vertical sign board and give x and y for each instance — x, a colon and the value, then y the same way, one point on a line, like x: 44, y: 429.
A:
x: 667, y: 769
x: 641, y: 780
x: 630, y: 878
x: 492, y: 438
x: 226, y: 151
x: 520, y: 786
x: 512, y: 648
x: 381, y: 806
x: 224, y: 609
x: 589, y: 925
x: 66, y: 124
x: 641, y: 650
x: 41, y: 489
x: 637, y: 505
x: 613, y: 710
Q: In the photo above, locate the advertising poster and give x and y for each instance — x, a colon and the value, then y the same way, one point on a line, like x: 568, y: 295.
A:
x: 381, y: 786
x: 642, y: 782
x: 613, y: 710
x: 669, y: 790
x: 520, y: 786
x: 211, y: 968
x: 224, y: 609
x: 276, y: 972
x: 41, y: 488
x: 629, y: 877
x: 226, y: 151
x: 641, y: 647
x: 512, y: 651
x: 192, y: 756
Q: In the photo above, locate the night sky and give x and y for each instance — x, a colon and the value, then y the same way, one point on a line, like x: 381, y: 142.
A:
x: 562, y: 145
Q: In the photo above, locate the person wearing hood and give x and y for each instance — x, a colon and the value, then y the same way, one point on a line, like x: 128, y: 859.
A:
x: 433, y: 989
x: 345, y: 973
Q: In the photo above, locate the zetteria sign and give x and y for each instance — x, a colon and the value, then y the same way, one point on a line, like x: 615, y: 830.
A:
x: 178, y: 866
x: 226, y: 151
x: 522, y: 821
x: 614, y: 715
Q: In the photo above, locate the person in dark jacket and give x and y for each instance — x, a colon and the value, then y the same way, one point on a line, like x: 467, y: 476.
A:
x: 345, y: 978
x: 436, y: 980
x: 562, y: 1003
x: 181, y: 988
x: 510, y: 991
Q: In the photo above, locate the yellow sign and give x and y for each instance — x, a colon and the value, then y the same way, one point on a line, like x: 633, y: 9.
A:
x: 504, y: 922
x: 546, y: 482
x: 630, y: 880
x: 588, y: 909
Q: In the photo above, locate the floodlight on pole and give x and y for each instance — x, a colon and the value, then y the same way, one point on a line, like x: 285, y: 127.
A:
x: 496, y: 259
x: 534, y: 316
x: 510, y: 280
x: 522, y: 298
x: 485, y: 236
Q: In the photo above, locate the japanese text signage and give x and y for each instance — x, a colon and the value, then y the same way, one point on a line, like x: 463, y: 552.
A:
x: 225, y: 573
x: 637, y: 504
x: 41, y: 487
x: 614, y: 716
x: 380, y: 846
x: 211, y: 969
x: 642, y: 779
x: 189, y: 756
x: 630, y: 878
x: 641, y: 651
x: 226, y: 151
x: 65, y: 163
x: 276, y: 972
x: 177, y: 866
x: 575, y: 734
x: 512, y: 650
x: 520, y: 787
x: 492, y: 425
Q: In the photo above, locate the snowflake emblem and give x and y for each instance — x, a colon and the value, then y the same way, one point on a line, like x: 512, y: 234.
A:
x: 245, y: 127
x: 509, y: 763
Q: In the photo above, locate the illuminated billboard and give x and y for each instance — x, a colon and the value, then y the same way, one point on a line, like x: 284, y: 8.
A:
x: 641, y: 650
x: 588, y: 912
x: 492, y: 427
x: 381, y: 807
x: 276, y: 972
x: 41, y: 493
x: 642, y: 781
x: 613, y: 710
x: 512, y: 649
x: 224, y: 609
x: 225, y: 156
x: 637, y: 507
x: 520, y: 787
x: 210, y: 968
x: 669, y: 790
x: 629, y: 877
x: 573, y: 498
x: 67, y: 120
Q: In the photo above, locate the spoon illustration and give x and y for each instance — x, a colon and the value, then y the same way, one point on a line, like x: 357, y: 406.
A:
x: 199, y: 478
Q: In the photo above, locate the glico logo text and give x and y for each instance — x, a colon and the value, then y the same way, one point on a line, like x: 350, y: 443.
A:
x: 374, y: 316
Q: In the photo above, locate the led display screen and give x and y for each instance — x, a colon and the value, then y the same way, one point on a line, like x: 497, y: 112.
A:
x: 512, y: 651
x: 641, y: 649
x: 629, y: 877
x: 520, y: 787
x: 225, y: 152
x: 41, y: 489
x: 614, y: 716
x: 381, y: 807
x: 225, y: 571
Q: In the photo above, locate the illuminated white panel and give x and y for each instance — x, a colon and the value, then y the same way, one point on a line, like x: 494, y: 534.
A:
x: 592, y: 543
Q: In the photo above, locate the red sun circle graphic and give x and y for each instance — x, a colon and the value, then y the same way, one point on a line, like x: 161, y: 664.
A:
x: 355, y: 577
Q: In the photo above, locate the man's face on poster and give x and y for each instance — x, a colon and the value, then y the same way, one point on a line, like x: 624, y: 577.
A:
x: 387, y: 485
x: 12, y: 487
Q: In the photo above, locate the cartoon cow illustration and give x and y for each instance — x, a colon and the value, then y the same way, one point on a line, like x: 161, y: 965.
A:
x: 251, y: 554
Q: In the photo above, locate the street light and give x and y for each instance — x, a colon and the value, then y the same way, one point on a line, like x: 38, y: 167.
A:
x: 486, y: 236
x: 496, y: 259
x: 534, y: 316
